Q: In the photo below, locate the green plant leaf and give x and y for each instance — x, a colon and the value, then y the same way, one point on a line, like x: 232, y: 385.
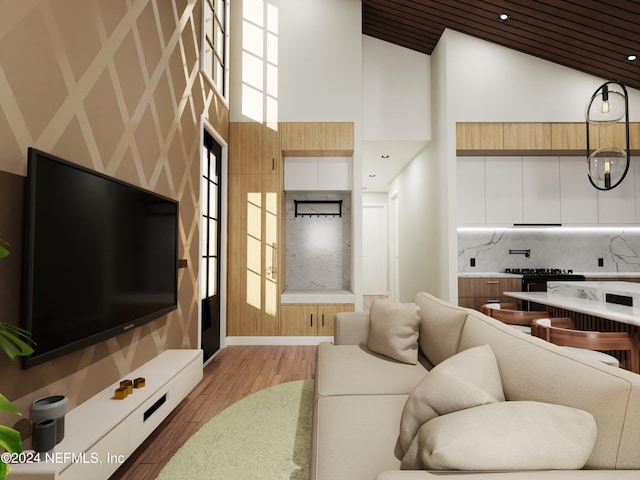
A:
x: 3, y: 251
x: 10, y: 439
x: 4, y: 470
x: 7, y: 406
x: 12, y: 341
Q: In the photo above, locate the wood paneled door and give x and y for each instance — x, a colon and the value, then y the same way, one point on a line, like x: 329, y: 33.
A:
x: 253, y: 263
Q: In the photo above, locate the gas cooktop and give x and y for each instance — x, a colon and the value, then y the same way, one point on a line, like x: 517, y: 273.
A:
x: 538, y: 271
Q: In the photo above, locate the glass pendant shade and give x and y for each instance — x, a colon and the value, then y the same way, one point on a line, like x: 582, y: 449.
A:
x: 607, y: 167
x: 605, y: 108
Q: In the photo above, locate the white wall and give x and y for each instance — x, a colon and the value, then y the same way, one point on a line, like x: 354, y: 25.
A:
x: 496, y: 84
x: 300, y: 60
x: 396, y: 92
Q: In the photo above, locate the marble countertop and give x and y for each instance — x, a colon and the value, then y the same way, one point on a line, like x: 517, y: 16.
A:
x: 618, y: 313
x: 487, y: 275
x: 586, y: 274
x: 317, y: 296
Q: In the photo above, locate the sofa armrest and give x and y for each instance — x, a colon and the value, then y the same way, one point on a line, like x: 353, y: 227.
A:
x: 351, y: 328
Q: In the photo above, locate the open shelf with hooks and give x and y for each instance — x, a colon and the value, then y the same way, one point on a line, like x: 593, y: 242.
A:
x: 308, y: 208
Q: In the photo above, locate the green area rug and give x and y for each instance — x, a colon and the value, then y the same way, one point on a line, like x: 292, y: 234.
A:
x: 266, y: 435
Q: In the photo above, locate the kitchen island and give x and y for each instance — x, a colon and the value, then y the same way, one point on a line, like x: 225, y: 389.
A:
x: 592, y: 307
x: 570, y: 305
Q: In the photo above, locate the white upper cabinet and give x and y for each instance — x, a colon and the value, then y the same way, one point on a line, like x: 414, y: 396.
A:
x: 618, y: 206
x: 541, y: 189
x: 471, y: 190
x: 503, y: 177
x: 317, y: 173
x: 578, y: 198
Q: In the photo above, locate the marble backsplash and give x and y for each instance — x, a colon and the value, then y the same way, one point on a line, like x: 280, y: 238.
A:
x: 318, y: 248
x: 577, y: 249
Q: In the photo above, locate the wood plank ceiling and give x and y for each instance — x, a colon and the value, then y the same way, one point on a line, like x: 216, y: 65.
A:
x: 593, y: 36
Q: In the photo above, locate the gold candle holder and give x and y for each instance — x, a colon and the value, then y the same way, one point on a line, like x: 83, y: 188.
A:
x: 128, y: 384
x: 121, y: 393
x: 138, y: 382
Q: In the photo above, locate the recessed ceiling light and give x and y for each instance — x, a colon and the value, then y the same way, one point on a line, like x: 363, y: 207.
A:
x: 632, y: 58
x: 503, y: 17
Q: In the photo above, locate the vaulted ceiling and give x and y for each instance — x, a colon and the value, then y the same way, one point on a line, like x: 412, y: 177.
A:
x: 593, y: 36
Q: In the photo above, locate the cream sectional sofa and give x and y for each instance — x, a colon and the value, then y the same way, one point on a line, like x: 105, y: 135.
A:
x: 360, y: 396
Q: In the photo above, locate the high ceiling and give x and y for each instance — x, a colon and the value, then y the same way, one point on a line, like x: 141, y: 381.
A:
x: 593, y: 36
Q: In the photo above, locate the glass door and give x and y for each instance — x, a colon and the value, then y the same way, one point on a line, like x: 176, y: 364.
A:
x: 210, y: 245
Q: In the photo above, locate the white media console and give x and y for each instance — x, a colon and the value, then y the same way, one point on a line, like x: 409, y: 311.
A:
x: 102, y: 432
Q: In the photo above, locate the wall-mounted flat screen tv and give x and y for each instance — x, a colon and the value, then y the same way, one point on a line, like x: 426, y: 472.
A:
x: 101, y: 256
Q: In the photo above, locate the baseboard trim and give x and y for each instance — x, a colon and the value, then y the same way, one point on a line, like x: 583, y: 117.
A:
x: 276, y: 340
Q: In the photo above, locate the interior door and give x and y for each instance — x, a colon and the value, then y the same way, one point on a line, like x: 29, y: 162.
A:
x: 210, y: 245
x: 374, y: 251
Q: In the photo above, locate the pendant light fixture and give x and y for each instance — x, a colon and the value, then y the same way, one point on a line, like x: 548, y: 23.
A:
x: 608, y: 165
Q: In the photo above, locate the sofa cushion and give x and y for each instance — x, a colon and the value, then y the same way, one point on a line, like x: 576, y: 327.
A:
x: 532, y: 369
x: 354, y: 436
x: 355, y: 370
x: 440, y: 327
x: 507, y: 436
x: 393, y: 330
x: 465, y: 380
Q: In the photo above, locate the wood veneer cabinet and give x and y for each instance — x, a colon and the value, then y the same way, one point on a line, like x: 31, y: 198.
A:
x: 255, y: 203
x: 254, y: 149
x: 475, y: 292
x: 254, y: 250
x: 301, y: 319
x: 527, y: 136
x: 479, y: 136
x: 317, y: 139
x: 568, y: 136
x: 547, y: 137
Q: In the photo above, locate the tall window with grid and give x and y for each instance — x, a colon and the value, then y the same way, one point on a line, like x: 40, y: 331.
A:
x: 214, y: 43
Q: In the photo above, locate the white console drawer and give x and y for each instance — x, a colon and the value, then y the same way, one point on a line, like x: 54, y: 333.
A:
x: 101, y: 459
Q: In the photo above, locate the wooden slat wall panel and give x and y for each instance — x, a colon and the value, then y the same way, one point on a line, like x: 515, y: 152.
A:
x: 592, y: 36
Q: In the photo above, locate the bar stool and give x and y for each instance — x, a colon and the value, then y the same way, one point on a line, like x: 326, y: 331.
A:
x: 487, y: 308
x: 590, y: 344
x: 517, y: 319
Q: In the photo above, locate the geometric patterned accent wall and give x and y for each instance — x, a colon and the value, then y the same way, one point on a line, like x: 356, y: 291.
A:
x: 115, y: 86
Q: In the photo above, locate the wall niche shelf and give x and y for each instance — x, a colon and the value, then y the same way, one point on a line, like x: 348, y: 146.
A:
x: 309, y: 208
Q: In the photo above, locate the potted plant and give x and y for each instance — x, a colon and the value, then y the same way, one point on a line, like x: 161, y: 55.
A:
x: 14, y: 341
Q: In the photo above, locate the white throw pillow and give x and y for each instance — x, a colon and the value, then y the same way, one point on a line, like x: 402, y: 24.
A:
x: 519, y: 435
x: 467, y: 379
x: 393, y: 330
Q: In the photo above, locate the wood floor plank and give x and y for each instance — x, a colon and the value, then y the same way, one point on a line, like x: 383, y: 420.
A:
x: 237, y: 371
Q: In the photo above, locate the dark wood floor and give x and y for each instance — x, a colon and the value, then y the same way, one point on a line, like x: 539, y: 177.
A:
x: 236, y: 372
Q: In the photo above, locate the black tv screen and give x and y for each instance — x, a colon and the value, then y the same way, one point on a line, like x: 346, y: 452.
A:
x: 100, y: 256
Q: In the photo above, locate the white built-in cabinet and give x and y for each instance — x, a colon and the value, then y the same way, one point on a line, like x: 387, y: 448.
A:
x: 506, y: 190
x: 540, y: 190
x: 503, y: 191
x: 619, y: 205
x: 471, y: 190
x: 579, y: 200
x: 317, y: 173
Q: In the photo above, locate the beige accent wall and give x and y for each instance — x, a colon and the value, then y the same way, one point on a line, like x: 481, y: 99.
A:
x: 115, y: 86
